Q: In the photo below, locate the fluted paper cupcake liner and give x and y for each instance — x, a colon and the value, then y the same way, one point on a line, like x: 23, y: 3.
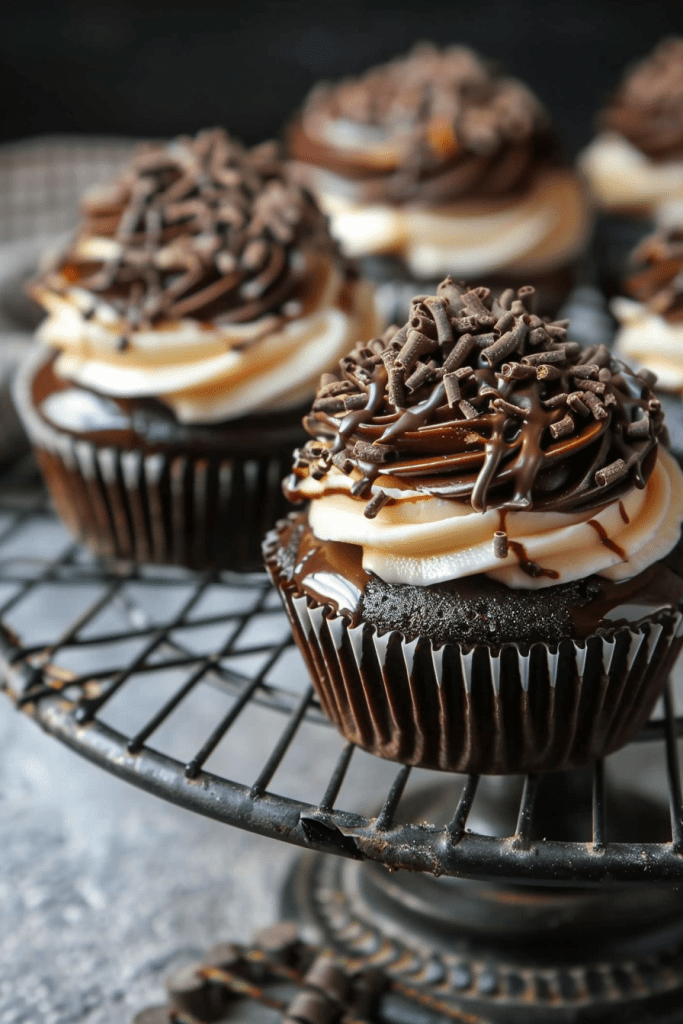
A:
x: 167, y: 508
x: 477, y: 708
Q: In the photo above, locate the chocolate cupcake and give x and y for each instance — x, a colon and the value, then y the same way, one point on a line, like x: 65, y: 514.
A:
x: 489, y: 573
x: 440, y: 162
x: 635, y: 163
x: 189, y: 321
x: 651, y: 317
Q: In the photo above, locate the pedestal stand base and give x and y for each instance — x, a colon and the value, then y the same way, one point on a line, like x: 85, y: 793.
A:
x: 508, y: 954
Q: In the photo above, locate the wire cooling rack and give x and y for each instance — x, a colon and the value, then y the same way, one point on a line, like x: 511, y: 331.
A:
x: 80, y: 640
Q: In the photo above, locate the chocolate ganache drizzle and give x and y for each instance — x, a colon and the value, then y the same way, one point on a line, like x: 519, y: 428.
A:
x: 658, y: 279
x: 203, y: 228
x: 431, y: 126
x: 477, y: 399
x: 647, y: 108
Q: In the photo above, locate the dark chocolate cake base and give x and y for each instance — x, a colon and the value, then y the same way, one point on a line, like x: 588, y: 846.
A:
x: 550, y: 690
x: 132, y: 483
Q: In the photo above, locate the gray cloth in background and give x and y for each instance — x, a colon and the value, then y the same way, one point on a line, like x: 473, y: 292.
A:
x: 41, y: 182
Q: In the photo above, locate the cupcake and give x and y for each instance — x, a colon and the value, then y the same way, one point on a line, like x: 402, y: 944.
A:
x: 650, y: 316
x: 438, y: 161
x: 635, y: 163
x: 488, y: 576
x: 188, y: 323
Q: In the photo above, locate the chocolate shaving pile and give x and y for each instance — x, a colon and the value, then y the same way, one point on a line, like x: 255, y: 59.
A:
x: 207, y: 229
x: 647, y: 108
x: 476, y: 398
x: 658, y: 281
x: 463, y: 128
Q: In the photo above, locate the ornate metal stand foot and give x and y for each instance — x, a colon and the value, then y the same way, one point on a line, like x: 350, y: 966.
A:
x: 504, y: 952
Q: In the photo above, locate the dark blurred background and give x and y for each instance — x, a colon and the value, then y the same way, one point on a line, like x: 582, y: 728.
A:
x: 137, y: 67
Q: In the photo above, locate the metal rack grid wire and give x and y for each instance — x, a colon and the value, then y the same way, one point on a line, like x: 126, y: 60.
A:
x: 71, y: 705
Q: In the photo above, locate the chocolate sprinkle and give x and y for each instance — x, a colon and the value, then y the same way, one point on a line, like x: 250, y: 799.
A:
x: 490, y: 434
x: 205, y: 228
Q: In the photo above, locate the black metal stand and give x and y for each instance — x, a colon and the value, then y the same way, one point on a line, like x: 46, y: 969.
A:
x: 561, y: 901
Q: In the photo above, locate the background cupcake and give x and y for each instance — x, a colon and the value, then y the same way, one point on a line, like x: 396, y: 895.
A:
x: 650, y: 315
x: 488, y: 575
x: 188, y: 319
x: 635, y: 163
x: 440, y: 161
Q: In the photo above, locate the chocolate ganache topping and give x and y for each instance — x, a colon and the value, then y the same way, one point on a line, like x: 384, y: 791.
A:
x: 647, y: 108
x: 475, y: 398
x: 658, y: 279
x: 432, y: 126
x: 202, y: 228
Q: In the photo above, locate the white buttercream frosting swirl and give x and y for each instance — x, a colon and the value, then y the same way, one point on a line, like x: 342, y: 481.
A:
x: 424, y: 540
x: 542, y: 229
x: 206, y: 372
x: 622, y: 177
x: 646, y: 338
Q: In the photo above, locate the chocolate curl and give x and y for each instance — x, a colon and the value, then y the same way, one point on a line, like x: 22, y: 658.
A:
x: 378, y: 501
x: 547, y: 372
x: 444, y: 330
x: 556, y: 333
x: 417, y: 344
x: 507, y: 298
x: 505, y: 322
x: 468, y: 411
x: 342, y: 462
x: 420, y: 374
x: 464, y: 373
x: 595, y: 405
x: 419, y: 322
x: 648, y: 376
x: 333, y: 386
x: 452, y: 293
x: 609, y: 399
x: 473, y: 304
x: 395, y: 390
x: 589, y: 370
x: 602, y: 356
x: 605, y: 374
x: 460, y: 352
x: 639, y: 428
x: 553, y: 356
x: 484, y: 340
x: 505, y: 345
x: 366, y: 452
x: 552, y: 403
x: 611, y: 474
x: 518, y: 308
x: 500, y: 405
x: 575, y: 402
x: 500, y: 544
x: 517, y: 371
x: 351, y: 402
x: 571, y: 349
x: 538, y: 336
x: 452, y: 387
x: 330, y: 405
x: 527, y: 295
x: 562, y: 427
x: 596, y: 386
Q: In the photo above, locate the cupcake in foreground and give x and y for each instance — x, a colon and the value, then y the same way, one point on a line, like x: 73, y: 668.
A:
x: 440, y: 161
x: 489, y: 574
x: 188, y: 323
